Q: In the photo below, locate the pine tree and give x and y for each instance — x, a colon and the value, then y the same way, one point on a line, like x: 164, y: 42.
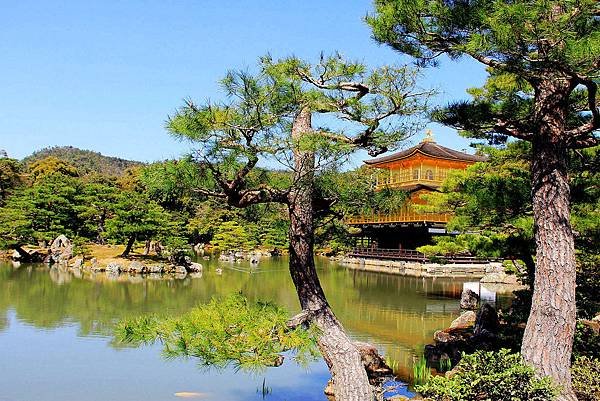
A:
x: 270, y: 115
x: 544, y: 59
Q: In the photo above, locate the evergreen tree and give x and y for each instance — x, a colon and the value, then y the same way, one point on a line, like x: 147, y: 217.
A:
x: 231, y: 236
x: 9, y: 177
x: 137, y: 218
x: 41, y: 212
x: 544, y: 61
x: 269, y: 115
x: 96, y: 202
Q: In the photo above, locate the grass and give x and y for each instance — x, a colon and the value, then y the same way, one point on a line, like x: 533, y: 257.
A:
x: 394, y: 364
x: 265, y: 390
x: 445, y: 364
x: 421, y: 372
x: 106, y: 254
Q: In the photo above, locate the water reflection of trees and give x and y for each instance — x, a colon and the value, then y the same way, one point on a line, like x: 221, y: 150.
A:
x: 399, y: 314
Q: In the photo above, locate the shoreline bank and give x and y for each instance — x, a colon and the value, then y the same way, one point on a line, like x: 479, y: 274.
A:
x: 418, y: 269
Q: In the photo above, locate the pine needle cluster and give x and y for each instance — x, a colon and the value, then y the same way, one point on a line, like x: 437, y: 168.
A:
x: 232, y: 331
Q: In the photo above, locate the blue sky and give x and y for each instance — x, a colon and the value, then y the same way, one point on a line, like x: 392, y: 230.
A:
x: 104, y: 75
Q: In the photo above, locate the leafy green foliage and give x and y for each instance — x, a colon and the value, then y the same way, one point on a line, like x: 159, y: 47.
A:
x: 491, y: 204
x: 171, y: 183
x: 585, y: 195
x: 41, y: 212
x: 229, y: 331
x: 491, y: 207
x: 256, y: 118
x: 586, y: 342
x: 15, y: 221
x: 464, y: 244
x: 95, y: 205
x: 586, y: 379
x: 588, y: 285
x: 493, y: 376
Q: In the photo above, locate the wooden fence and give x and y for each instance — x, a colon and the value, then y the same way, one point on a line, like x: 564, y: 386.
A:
x: 412, y: 256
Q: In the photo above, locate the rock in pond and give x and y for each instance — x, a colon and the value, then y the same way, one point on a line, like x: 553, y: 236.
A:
x: 61, y: 249
x: 137, y: 267
x: 77, y: 264
x: 180, y: 271
x: 194, y: 267
x: 95, y: 266
x: 464, y: 321
x: 156, y: 269
x: 374, y: 363
x: 113, y: 267
x: 469, y: 299
x: 487, y: 324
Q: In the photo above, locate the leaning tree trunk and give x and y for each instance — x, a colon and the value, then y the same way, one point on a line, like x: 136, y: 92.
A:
x: 129, y: 246
x: 548, y: 339
x: 342, y: 357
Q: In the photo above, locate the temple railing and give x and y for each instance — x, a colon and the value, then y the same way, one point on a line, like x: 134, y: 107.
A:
x: 391, y: 183
x: 427, y: 175
x: 403, y: 216
x: 383, y: 253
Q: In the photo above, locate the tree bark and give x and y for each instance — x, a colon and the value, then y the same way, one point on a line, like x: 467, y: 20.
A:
x: 341, y: 355
x: 129, y: 246
x: 147, y: 247
x: 548, y: 339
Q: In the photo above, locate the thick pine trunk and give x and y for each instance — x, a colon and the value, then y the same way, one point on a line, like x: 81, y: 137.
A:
x: 548, y: 339
x: 342, y: 357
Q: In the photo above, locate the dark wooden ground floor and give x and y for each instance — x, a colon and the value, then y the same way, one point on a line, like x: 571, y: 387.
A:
x: 397, y: 236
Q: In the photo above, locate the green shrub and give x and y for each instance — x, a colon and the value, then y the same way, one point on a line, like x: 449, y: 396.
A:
x: 586, y: 342
x: 586, y: 379
x: 490, y: 376
x: 512, y: 266
x: 81, y: 247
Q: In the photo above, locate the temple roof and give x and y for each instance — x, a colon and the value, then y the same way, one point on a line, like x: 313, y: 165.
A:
x: 430, y: 148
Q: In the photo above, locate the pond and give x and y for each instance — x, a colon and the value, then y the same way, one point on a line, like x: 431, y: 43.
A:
x: 56, y: 330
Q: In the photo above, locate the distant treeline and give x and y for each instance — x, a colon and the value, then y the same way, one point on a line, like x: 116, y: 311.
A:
x: 86, y: 161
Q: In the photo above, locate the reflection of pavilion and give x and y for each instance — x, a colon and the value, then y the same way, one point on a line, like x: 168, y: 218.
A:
x: 484, y: 293
x: 400, y: 314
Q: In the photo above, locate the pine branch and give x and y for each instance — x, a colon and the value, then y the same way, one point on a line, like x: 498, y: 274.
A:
x: 580, y: 136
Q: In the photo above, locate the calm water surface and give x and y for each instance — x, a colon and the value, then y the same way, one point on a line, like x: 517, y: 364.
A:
x: 56, y: 330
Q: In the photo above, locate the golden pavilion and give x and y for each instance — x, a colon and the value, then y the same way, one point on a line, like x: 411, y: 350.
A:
x: 418, y: 170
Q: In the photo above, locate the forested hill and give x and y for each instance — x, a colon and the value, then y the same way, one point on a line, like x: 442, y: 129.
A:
x: 84, y: 160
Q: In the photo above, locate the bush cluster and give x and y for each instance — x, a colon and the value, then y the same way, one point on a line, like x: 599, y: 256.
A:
x: 490, y: 376
x: 586, y: 379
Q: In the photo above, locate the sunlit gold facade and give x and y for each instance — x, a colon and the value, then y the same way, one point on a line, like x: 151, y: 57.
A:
x: 418, y: 170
